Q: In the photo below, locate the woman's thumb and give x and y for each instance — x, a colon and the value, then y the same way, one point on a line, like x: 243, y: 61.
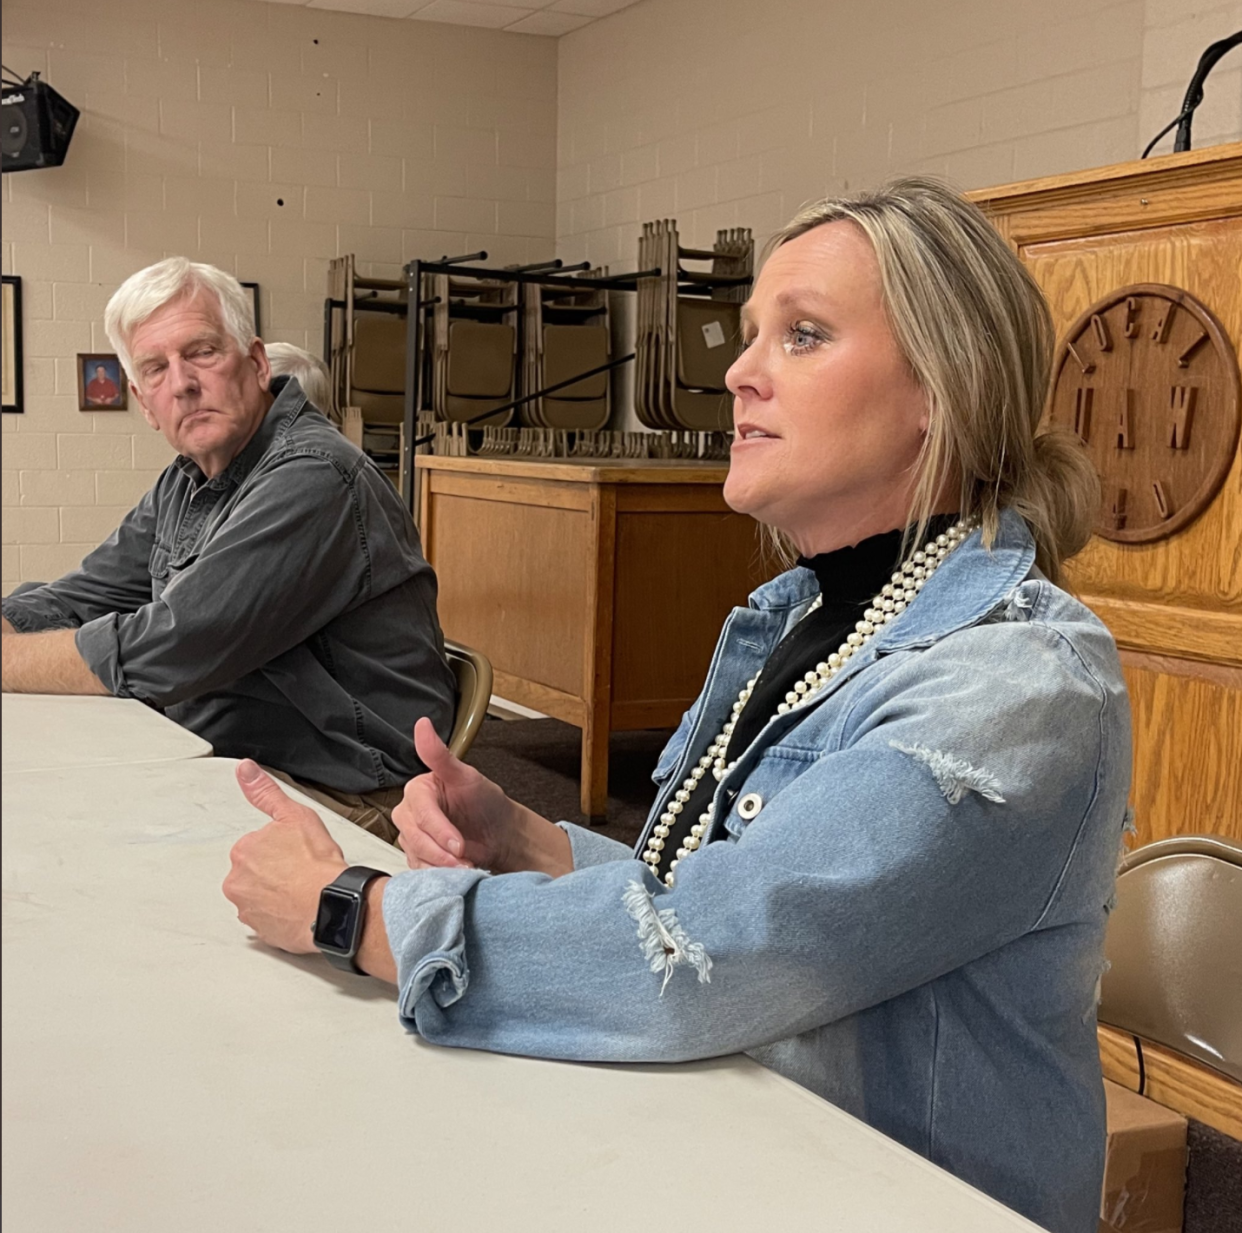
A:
x: 260, y: 789
x: 434, y: 754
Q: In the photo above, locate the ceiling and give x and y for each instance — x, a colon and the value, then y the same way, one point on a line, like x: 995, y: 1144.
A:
x: 551, y: 17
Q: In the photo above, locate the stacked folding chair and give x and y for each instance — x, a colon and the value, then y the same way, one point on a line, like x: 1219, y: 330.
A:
x: 565, y: 332
x: 366, y: 361
x: 339, y: 336
x: 473, y: 348
x: 688, y: 327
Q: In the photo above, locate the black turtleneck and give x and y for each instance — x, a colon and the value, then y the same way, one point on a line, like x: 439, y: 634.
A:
x: 849, y: 578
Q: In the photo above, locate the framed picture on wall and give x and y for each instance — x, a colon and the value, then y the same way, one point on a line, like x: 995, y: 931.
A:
x: 12, y: 343
x: 253, y: 288
x: 101, y: 383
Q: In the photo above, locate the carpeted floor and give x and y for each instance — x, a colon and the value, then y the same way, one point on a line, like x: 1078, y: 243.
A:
x: 1213, y: 1181
x: 538, y: 762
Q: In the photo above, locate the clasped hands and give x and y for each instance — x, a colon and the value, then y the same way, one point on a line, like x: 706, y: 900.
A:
x: 451, y: 817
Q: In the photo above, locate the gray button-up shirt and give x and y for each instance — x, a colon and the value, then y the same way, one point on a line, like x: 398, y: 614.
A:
x: 283, y: 610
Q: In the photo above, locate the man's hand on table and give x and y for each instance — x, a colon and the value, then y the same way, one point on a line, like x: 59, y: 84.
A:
x: 453, y: 817
x: 278, y: 872
x: 47, y: 662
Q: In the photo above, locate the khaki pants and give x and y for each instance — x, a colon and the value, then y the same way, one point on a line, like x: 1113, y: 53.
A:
x: 370, y: 810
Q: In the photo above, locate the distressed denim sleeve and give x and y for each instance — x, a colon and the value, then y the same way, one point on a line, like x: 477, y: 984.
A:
x: 875, y: 869
x: 589, y: 848
x: 289, y: 558
x: 112, y: 578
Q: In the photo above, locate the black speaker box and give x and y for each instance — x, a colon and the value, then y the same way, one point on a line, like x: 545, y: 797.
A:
x: 36, y: 128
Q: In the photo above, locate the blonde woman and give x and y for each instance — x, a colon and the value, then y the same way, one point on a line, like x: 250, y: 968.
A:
x: 884, y: 836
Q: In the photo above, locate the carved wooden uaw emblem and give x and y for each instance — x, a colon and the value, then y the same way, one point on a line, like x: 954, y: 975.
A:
x: 1148, y: 380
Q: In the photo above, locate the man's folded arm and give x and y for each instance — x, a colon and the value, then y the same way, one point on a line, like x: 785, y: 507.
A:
x: 115, y: 577
x: 290, y: 558
x: 39, y: 653
x: 47, y: 663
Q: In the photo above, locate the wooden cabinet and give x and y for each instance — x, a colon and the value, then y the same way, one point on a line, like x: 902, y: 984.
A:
x: 597, y: 589
x: 1174, y: 605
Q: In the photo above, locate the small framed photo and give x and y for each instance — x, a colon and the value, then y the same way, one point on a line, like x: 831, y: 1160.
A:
x: 101, y: 383
x: 253, y: 288
x: 12, y: 344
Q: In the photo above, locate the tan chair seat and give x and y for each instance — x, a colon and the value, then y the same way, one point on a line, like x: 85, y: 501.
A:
x: 379, y: 408
x: 473, y: 673
x: 578, y: 413
x: 379, y: 353
x: 1174, y: 944
x: 571, y: 349
x: 700, y: 324
x: 458, y: 410
x: 480, y: 360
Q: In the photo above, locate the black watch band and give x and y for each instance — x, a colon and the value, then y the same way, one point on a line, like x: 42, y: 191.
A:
x: 343, y: 915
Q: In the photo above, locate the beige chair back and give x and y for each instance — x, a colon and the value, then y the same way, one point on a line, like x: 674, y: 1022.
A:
x: 1174, y: 943
x: 473, y: 673
x: 379, y: 368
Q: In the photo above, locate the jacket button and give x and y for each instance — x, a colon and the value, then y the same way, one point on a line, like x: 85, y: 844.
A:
x: 750, y: 805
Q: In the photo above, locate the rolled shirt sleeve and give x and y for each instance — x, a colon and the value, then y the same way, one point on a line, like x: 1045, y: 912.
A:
x: 290, y: 556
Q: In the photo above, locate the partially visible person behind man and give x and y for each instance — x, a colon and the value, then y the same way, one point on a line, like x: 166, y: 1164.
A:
x: 311, y: 372
x: 269, y: 592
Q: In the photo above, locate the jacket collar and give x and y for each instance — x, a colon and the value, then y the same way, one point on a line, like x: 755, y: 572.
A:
x: 286, y: 407
x: 970, y: 582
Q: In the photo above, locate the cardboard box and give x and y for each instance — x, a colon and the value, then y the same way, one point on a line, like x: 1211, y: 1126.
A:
x: 1145, y: 1165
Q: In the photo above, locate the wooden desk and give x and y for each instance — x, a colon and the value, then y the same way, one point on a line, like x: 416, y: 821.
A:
x: 164, y: 1072
x: 44, y: 732
x: 597, y: 589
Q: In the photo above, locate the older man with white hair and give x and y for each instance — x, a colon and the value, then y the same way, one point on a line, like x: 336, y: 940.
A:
x: 269, y: 592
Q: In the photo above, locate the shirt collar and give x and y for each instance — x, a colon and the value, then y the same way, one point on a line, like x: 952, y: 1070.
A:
x: 287, y: 405
x: 970, y: 582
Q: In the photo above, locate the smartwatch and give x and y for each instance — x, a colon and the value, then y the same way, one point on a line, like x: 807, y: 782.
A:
x: 342, y: 915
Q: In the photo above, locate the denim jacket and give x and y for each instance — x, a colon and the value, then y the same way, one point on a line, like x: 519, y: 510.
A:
x: 909, y: 920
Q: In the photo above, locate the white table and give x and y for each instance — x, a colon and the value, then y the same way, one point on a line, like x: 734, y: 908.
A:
x: 164, y: 1072
x: 43, y: 732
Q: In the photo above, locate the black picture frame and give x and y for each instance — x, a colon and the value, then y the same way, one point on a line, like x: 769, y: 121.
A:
x: 253, y: 288
x: 13, y: 358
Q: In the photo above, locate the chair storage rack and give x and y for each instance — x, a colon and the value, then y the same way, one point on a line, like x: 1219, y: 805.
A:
x: 688, y: 327
x: 363, y: 346
x: 534, y: 295
x: 484, y: 342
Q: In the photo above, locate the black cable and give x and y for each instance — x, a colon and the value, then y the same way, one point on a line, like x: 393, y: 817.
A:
x: 1138, y: 1049
x: 1173, y: 123
x: 1194, y: 93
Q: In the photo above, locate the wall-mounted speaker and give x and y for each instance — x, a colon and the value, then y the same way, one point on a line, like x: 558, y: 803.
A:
x: 36, y: 127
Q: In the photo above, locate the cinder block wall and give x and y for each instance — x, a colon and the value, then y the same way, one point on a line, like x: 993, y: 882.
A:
x: 393, y: 139
x: 388, y: 139
x: 724, y: 113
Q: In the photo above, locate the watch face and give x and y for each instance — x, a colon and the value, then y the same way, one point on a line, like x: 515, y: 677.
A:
x: 337, y: 922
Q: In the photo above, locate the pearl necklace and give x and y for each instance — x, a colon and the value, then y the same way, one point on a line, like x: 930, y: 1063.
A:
x: 894, y: 597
